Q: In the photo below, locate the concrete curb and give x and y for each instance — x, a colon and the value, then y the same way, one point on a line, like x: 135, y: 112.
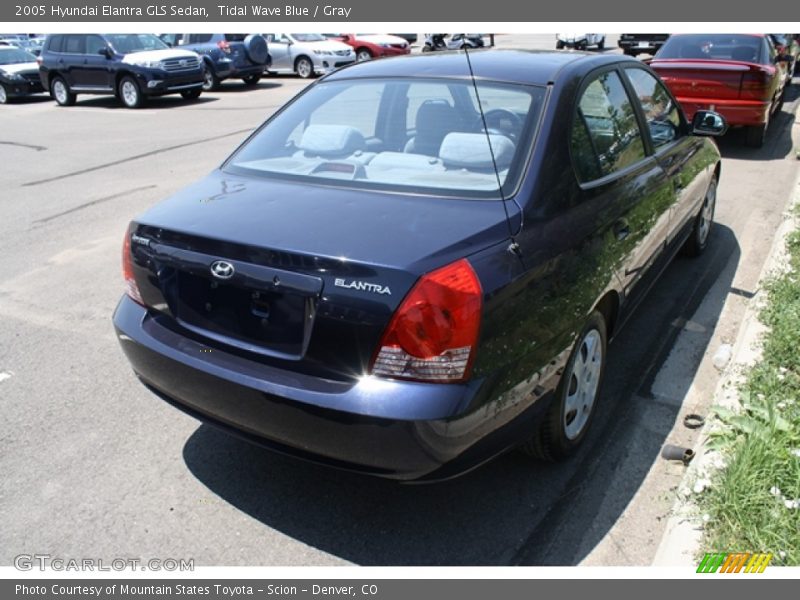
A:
x: 683, y: 534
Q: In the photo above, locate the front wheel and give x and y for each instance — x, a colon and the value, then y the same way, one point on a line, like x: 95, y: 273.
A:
x: 3, y: 94
x: 698, y: 240
x: 129, y: 93
x: 210, y: 80
x: 61, y: 93
x: 192, y: 94
x: 363, y: 55
x: 568, y: 418
x: 303, y: 67
x: 251, y: 80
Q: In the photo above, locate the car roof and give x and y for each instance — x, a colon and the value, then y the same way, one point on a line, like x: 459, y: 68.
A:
x: 535, y: 67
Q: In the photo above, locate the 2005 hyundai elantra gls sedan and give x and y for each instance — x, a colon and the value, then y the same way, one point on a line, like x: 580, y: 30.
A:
x: 417, y: 263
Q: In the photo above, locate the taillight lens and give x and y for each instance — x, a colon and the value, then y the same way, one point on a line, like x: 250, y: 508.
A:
x: 127, y: 270
x: 756, y: 83
x: 433, y: 335
x: 224, y: 46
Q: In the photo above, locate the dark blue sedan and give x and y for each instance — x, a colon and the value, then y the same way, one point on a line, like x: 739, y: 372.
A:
x: 418, y: 263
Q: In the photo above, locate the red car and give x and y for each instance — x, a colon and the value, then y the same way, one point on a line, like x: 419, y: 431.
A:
x: 741, y: 76
x: 373, y: 45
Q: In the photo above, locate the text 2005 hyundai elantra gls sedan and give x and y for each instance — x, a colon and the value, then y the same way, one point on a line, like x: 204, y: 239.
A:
x: 418, y: 263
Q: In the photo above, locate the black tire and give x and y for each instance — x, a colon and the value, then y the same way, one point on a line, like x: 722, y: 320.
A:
x: 129, y: 92
x: 4, y: 96
x: 756, y: 135
x: 363, y: 55
x: 601, y: 45
x: 304, y: 67
x: 60, y: 92
x: 251, y: 80
x: 559, y: 45
x: 703, y: 223
x: 427, y: 48
x: 210, y: 79
x: 552, y: 441
x: 192, y: 94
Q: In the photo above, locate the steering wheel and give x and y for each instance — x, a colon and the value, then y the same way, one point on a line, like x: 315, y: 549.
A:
x: 501, y: 121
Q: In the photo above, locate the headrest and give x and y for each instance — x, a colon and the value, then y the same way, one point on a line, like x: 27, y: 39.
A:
x: 331, y: 140
x: 471, y: 150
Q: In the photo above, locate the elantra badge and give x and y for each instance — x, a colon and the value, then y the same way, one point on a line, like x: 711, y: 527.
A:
x: 362, y: 286
x: 222, y: 269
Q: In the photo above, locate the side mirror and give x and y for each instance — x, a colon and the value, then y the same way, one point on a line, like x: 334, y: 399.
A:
x: 708, y: 122
x: 105, y: 52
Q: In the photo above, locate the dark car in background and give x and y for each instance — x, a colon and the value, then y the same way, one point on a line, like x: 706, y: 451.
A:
x: 226, y: 55
x: 131, y: 66
x: 19, y: 74
x: 741, y: 76
x: 417, y: 264
x: 634, y: 44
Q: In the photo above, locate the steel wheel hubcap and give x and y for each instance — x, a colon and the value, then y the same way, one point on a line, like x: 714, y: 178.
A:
x: 582, y: 384
x: 129, y: 92
x: 707, y: 214
x: 61, y: 91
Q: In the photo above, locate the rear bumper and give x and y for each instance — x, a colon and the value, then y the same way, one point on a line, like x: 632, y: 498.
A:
x: 400, y: 430
x: 736, y: 112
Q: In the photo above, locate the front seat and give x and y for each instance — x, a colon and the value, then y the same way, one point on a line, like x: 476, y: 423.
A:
x: 435, y: 119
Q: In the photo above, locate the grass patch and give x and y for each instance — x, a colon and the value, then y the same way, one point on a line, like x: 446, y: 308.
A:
x: 753, y: 504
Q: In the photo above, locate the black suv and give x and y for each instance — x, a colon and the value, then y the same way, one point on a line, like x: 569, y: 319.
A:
x: 226, y: 55
x: 132, y: 66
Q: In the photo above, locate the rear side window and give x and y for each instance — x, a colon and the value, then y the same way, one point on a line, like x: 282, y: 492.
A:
x: 660, y: 111
x: 198, y: 38
x: 75, y: 44
x: 605, y: 135
x: 54, y: 43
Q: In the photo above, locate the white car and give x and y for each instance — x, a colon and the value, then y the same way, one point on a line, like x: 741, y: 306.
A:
x: 307, y: 54
x: 580, y: 41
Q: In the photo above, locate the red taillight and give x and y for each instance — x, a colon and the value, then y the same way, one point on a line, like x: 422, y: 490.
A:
x: 127, y: 271
x: 224, y: 46
x: 434, y: 333
x: 756, y: 84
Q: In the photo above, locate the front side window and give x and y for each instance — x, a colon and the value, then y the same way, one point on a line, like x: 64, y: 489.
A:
x: 660, y: 111
x: 425, y: 136
x: 605, y: 134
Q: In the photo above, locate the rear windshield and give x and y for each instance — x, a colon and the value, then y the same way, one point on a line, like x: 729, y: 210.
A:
x: 309, y: 37
x: 418, y: 135
x: 738, y: 47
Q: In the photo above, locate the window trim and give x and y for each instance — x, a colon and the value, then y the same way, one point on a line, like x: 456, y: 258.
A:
x: 590, y: 77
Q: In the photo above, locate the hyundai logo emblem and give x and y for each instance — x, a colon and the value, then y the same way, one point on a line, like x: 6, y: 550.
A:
x: 222, y: 269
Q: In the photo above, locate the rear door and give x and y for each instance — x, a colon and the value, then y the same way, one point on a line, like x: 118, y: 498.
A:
x: 681, y: 155
x: 620, y: 177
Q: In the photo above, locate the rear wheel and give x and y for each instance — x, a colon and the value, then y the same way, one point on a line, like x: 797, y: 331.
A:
x: 61, y: 93
x: 756, y: 135
x: 698, y: 240
x: 568, y: 418
x: 191, y: 94
x: 303, y: 67
x: 3, y: 94
x: 129, y: 93
x: 251, y: 79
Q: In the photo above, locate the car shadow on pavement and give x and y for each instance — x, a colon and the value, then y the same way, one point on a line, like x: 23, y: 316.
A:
x: 240, y: 86
x: 511, y: 511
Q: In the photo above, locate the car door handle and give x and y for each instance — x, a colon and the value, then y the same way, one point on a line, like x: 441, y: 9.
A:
x: 621, y: 229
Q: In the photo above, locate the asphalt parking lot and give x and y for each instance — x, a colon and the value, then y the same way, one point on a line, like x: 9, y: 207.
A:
x: 94, y: 465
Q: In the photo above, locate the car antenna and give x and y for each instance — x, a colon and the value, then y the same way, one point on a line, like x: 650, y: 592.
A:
x: 514, y: 246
